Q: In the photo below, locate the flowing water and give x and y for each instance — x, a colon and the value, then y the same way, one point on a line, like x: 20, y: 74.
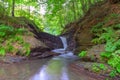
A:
x: 57, y: 67
x: 62, y: 50
x: 43, y: 69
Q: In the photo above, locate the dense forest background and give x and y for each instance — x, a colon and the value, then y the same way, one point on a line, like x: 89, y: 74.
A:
x: 49, y: 15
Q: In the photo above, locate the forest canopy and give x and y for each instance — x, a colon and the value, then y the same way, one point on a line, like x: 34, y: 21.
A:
x: 49, y: 15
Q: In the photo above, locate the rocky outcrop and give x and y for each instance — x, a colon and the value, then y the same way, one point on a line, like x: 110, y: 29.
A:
x: 41, y: 43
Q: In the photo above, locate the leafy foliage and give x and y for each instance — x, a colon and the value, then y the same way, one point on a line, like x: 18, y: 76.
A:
x: 50, y: 15
x: 110, y: 36
x: 97, y: 67
x: 82, y: 54
x: 11, y: 40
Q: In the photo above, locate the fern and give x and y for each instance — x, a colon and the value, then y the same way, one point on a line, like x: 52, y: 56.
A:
x: 111, y: 38
x: 106, y: 54
x: 82, y: 54
x: 10, y: 35
x: 116, y: 26
x: 2, y: 51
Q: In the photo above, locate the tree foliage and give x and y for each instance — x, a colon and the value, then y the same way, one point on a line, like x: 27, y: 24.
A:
x: 50, y: 15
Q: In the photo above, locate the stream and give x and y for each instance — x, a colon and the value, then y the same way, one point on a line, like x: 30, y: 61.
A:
x: 56, y: 68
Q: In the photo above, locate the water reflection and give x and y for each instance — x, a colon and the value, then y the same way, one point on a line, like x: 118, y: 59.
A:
x: 56, y: 69
x: 20, y: 71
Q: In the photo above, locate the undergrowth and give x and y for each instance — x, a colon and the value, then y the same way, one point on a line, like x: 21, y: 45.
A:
x: 110, y: 36
x: 11, y: 41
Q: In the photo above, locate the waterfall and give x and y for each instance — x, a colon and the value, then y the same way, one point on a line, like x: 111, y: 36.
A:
x: 64, y: 42
x: 63, y: 50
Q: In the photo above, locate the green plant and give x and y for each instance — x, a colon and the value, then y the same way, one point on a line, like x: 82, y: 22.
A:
x: 2, y: 51
x: 110, y: 36
x: 11, y: 41
x: 95, y: 68
x: 102, y: 67
x: 97, y: 28
x: 26, y: 48
x: 111, y: 16
x: 82, y: 54
x: 106, y: 54
x: 113, y: 73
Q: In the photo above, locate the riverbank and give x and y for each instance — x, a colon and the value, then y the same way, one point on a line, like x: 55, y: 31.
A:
x: 80, y: 66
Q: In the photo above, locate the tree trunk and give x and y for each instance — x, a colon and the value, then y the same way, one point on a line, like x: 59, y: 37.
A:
x: 13, y: 7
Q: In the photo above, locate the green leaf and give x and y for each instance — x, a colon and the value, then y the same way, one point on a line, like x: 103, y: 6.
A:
x: 102, y: 66
x: 118, y: 68
x: 110, y: 47
x: 106, y: 54
x: 82, y: 54
x: 117, y: 52
x: 2, y: 51
x: 113, y: 61
x: 112, y: 73
x: 2, y: 34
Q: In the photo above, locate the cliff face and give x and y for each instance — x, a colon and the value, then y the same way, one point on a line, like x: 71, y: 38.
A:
x: 79, y: 32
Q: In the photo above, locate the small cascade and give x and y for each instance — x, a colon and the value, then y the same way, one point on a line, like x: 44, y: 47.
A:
x: 61, y: 50
x: 64, y: 41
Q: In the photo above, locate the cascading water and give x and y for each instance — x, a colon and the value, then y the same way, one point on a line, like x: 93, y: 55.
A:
x: 61, y: 50
x: 56, y: 69
x: 64, y: 42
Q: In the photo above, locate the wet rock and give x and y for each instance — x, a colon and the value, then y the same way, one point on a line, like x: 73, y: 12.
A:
x: 11, y: 59
x: 40, y: 55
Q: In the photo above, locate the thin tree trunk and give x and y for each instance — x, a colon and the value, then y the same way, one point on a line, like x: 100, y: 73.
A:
x: 13, y: 7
